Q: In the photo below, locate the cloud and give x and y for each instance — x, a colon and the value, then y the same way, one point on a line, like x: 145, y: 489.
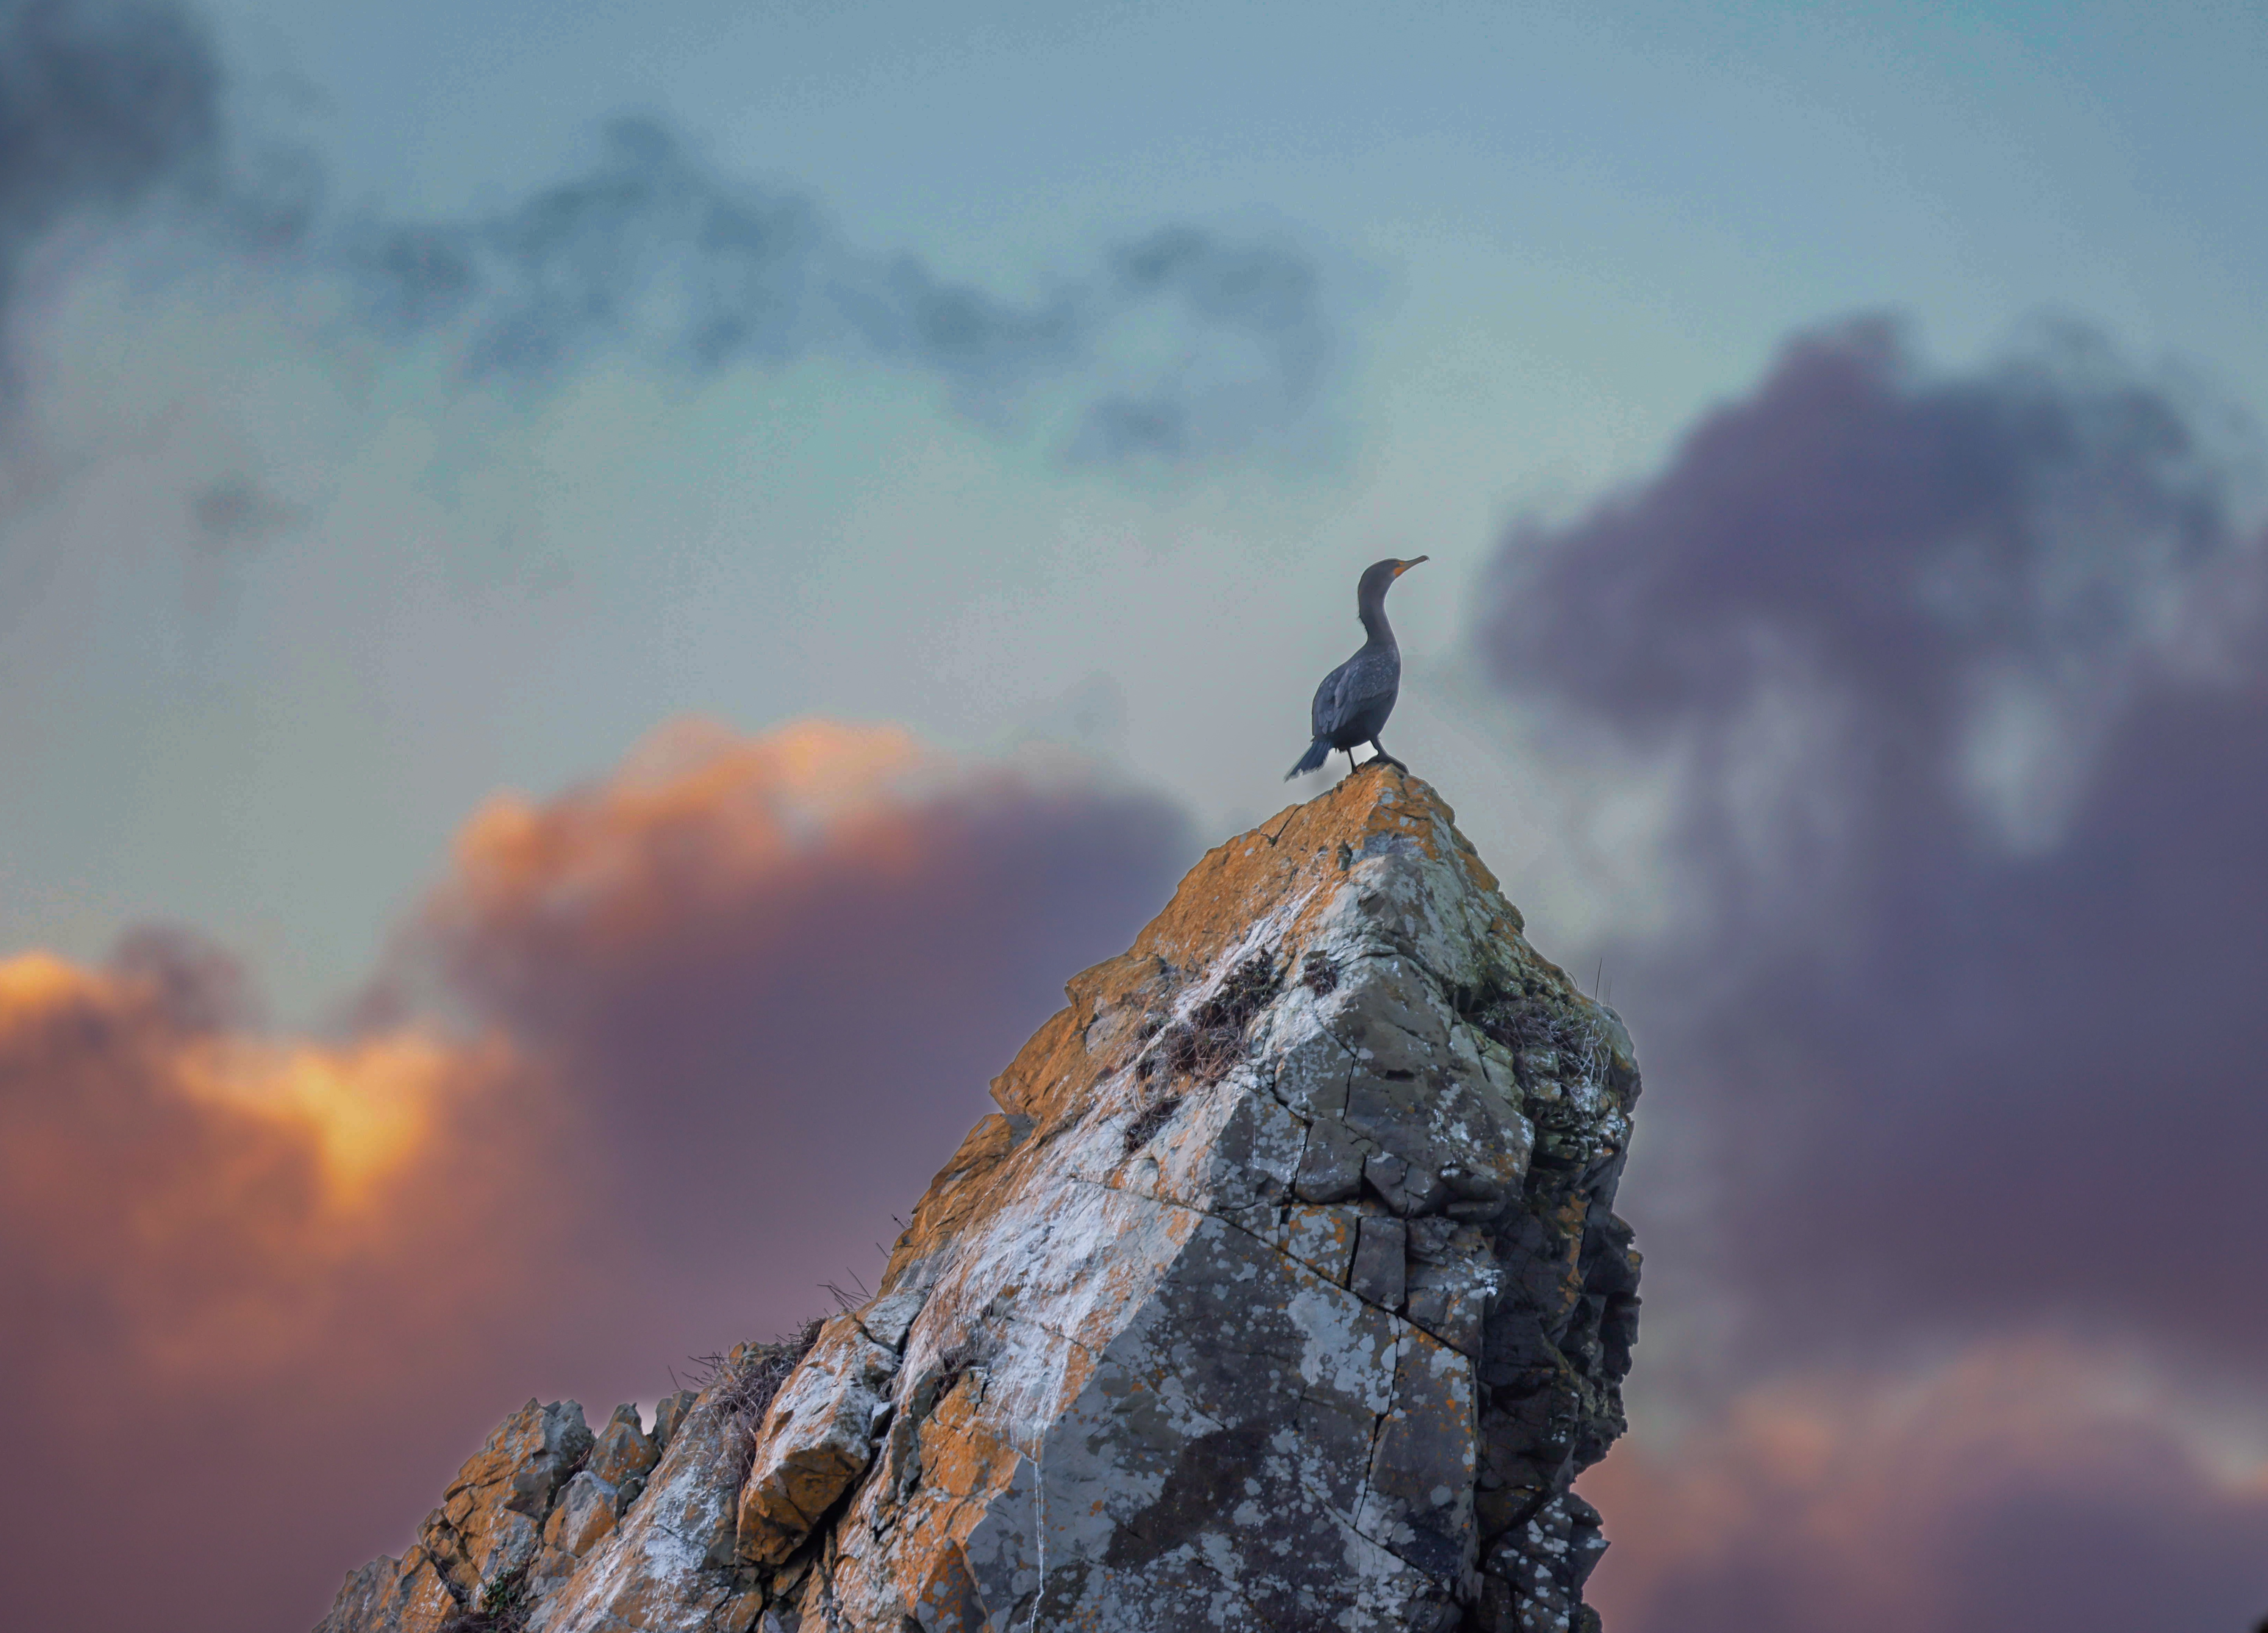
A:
x: 748, y: 955
x: 103, y: 103
x: 221, y: 1249
x: 1258, y: 307
x: 1960, y: 685
x: 1181, y: 342
x: 657, y: 1056
x: 199, y: 1196
x: 1963, y: 681
x: 1938, y: 576
x: 2015, y: 1485
x: 235, y: 513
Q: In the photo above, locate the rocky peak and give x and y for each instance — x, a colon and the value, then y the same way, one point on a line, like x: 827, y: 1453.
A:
x: 1283, y: 1291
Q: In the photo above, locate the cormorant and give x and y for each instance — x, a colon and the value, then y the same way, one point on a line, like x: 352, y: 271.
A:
x: 1352, y: 703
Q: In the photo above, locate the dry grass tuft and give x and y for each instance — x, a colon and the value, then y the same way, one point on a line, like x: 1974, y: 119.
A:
x: 1204, y: 1048
x: 746, y: 1381
x: 1211, y: 1040
x: 1531, y: 1025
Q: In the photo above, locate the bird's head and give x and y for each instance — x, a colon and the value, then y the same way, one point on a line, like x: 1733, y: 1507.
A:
x: 1378, y: 575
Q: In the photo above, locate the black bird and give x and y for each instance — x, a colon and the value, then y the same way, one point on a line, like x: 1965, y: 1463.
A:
x: 1352, y: 703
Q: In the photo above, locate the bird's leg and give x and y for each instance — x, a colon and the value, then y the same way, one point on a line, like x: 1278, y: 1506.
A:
x: 1383, y: 755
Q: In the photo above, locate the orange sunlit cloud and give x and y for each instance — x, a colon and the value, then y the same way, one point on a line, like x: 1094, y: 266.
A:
x: 203, y: 1189
x: 694, y: 804
x: 366, y: 1106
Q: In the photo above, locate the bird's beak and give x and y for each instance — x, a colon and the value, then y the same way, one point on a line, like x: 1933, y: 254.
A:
x: 1404, y: 567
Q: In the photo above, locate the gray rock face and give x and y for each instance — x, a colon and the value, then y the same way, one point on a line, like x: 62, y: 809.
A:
x: 1284, y: 1292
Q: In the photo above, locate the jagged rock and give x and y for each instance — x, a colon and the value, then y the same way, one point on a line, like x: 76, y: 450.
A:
x: 488, y: 1529
x: 670, y: 1562
x: 584, y: 1513
x: 406, y: 1594
x: 1284, y: 1291
x: 622, y: 1452
x: 817, y: 1439
x: 668, y: 1412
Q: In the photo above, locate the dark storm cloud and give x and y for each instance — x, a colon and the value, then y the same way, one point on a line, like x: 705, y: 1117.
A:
x: 1178, y: 344
x: 1964, y: 678
x: 103, y: 103
x: 719, y: 1016
x: 1962, y: 683
x: 1182, y: 342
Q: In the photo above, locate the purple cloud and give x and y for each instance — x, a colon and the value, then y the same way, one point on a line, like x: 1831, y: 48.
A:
x: 1968, y: 705
x: 1963, y: 688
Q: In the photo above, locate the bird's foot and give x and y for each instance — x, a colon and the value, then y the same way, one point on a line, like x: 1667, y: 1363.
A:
x: 1382, y: 758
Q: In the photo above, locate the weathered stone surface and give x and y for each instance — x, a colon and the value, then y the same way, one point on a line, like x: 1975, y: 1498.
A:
x: 407, y: 1593
x: 887, y: 1320
x: 488, y: 1530
x: 622, y: 1452
x: 671, y: 1561
x: 584, y: 1513
x: 818, y: 1438
x: 1321, y: 1238
x: 1330, y: 1163
x: 1381, y: 1255
x: 1282, y: 1292
x: 1450, y: 1278
x: 668, y: 1412
x: 1420, y: 1499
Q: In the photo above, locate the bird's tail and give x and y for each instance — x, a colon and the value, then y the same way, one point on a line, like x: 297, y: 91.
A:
x: 1318, y: 751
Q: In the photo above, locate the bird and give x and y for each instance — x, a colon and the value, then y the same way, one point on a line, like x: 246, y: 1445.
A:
x: 1352, y: 703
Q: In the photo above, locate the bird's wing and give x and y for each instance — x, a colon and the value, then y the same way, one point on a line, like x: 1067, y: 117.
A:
x: 1350, y: 686
x: 1325, y: 716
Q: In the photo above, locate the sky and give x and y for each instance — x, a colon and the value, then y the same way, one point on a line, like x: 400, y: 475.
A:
x: 598, y: 603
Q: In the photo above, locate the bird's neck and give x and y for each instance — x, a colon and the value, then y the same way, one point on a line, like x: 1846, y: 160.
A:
x: 1373, y: 614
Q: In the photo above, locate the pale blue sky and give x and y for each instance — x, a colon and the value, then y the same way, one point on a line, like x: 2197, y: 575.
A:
x: 1548, y: 236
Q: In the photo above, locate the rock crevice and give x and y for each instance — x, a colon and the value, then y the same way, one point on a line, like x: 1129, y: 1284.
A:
x: 1285, y: 1290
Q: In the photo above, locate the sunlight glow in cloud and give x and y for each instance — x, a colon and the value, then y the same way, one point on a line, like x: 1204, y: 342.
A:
x: 368, y: 1106
x: 694, y: 800
x: 360, y: 1111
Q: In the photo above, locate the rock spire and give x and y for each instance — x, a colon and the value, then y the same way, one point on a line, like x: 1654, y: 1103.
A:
x: 1283, y: 1291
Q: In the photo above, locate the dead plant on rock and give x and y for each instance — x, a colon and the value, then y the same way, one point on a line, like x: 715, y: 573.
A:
x: 1211, y: 1040
x: 746, y: 1383
x: 1535, y: 1029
